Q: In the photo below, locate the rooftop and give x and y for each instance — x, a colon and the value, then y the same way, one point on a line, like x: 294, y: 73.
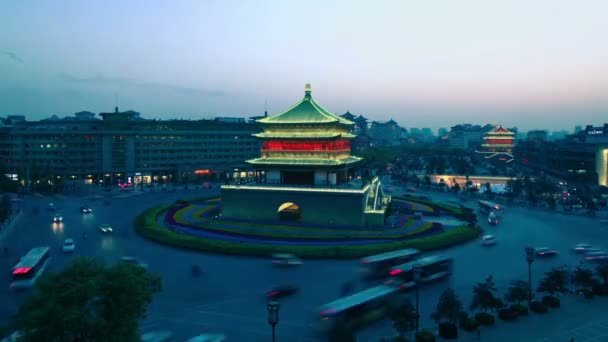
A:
x: 306, y: 111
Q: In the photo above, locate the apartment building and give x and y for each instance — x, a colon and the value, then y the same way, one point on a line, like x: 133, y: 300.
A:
x: 121, y: 147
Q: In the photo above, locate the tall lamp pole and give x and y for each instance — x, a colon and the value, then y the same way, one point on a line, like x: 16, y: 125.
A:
x: 417, y: 272
x: 529, y: 259
x: 273, y: 316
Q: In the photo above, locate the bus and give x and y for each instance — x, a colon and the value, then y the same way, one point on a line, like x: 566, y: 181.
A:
x: 431, y: 268
x: 378, y: 265
x: 488, y: 207
x: 30, y: 267
x: 359, y: 309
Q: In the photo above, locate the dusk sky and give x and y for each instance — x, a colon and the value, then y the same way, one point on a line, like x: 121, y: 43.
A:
x: 427, y: 63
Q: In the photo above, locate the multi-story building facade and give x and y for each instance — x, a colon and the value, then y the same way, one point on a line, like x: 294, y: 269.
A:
x: 387, y: 133
x: 467, y: 136
x: 122, y: 147
x: 582, y: 156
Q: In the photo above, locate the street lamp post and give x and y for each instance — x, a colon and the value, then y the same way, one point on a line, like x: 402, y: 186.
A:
x: 273, y: 316
x: 529, y: 259
x: 417, y: 272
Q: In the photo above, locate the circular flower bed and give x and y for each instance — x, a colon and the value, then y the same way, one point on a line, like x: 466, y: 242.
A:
x: 196, y: 224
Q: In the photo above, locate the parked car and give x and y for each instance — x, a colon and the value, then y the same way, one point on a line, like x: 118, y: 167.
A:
x: 86, y: 210
x: 545, y: 252
x: 581, y: 248
x: 281, y: 292
x: 285, y: 260
x: 105, y: 228
x: 208, y: 338
x: 68, y: 246
x: 58, y: 218
x: 488, y: 240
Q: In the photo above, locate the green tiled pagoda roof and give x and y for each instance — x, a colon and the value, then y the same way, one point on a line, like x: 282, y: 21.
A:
x: 306, y: 111
x: 304, y: 162
x: 305, y: 135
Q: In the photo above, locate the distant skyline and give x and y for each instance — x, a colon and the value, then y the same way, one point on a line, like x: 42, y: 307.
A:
x: 530, y: 64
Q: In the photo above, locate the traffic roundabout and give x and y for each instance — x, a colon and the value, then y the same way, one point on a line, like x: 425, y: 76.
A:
x: 197, y: 224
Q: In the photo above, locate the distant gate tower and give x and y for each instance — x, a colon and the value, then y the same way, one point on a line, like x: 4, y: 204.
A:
x: 305, y: 173
x: 498, y: 143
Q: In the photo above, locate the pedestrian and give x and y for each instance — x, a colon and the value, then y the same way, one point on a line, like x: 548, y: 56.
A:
x: 572, y: 339
x: 478, y: 334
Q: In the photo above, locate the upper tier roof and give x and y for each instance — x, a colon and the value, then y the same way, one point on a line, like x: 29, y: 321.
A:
x: 306, y: 111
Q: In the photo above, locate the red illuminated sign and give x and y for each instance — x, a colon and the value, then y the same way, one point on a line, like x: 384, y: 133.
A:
x: 202, y: 172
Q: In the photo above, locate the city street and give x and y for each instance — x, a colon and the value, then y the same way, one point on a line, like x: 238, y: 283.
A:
x: 229, y: 296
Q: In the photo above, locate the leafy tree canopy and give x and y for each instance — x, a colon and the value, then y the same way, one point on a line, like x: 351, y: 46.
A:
x: 484, y: 296
x: 88, y: 302
x: 448, y: 308
x: 555, y: 281
x: 582, y: 277
x: 602, y: 272
x: 517, y: 292
x: 403, y: 317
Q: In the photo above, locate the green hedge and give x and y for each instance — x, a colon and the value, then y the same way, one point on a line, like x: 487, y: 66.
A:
x: 146, y: 224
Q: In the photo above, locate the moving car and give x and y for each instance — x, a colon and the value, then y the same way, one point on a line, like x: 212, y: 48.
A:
x: 133, y: 261
x: 488, y: 240
x: 105, y: 228
x: 58, y: 218
x: 581, y: 248
x: 545, y: 252
x: 597, y: 256
x: 156, y: 336
x: 285, y: 260
x: 51, y: 207
x: 281, y: 292
x: 493, y: 219
x: 68, y: 246
x: 86, y: 210
x: 208, y: 338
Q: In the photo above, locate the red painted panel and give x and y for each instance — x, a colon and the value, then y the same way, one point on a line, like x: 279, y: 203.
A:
x: 338, y: 145
x: 498, y: 141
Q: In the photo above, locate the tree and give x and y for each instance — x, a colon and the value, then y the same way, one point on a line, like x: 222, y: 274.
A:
x: 88, y: 302
x: 517, y: 292
x: 5, y: 207
x: 449, y: 307
x: 555, y: 281
x: 456, y: 188
x: 602, y: 272
x: 582, y: 277
x: 403, y: 317
x: 340, y: 332
x: 484, y: 297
